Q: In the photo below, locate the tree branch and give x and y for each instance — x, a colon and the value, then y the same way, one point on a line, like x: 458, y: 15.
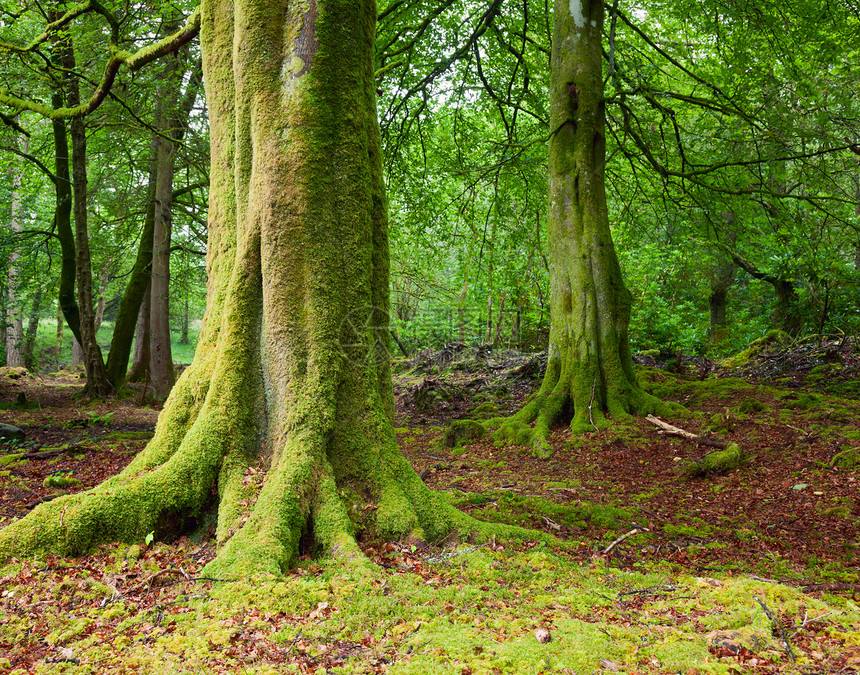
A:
x: 133, y: 62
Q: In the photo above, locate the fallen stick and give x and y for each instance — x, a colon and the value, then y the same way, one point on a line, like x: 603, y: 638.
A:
x: 624, y: 536
x: 676, y: 431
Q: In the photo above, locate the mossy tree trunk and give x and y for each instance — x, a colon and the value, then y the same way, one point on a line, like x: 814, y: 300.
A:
x: 722, y: 277
x: 590, y: 370
x: 291, y: 369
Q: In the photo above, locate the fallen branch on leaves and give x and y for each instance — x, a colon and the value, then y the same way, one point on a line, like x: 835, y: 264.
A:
x: 728, y: 457
x: 667, y: 428
x: 54, y: 452
x: 624, y: 536
x: 776, y: 627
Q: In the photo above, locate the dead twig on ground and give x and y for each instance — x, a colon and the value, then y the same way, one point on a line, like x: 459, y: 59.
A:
x: 624, y: 536
x: 806, y: 621
x: 152, y: 577
x: 667, y: 428
x: 776, y: 625
x: 54, y: 452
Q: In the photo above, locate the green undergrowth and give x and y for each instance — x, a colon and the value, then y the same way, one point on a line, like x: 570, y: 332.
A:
x: 472, y: 610
x: 747, y: 400
x: 510, y: 508
x: 773, y: 339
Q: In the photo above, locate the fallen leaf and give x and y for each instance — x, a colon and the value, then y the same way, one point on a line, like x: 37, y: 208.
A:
x: 609, y: 665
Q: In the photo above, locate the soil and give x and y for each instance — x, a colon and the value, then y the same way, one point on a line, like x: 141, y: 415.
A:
x: 785, y: 514
x: 785, y: 510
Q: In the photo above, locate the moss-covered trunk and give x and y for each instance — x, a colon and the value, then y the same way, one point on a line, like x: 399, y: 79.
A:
x: 590, y: 371
x: 291, y: 370
x: 135, y: 290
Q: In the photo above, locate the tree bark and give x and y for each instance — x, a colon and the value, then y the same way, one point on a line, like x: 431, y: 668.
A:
x: 97, y: 383
x: 183, y: 338
x: 292, y: 362
x: 58, y: 344
x: 32, y: 329
x: 590, y: 369
x: 722, y: 276
x: 14, y: 318
x: 161, y: 359
x: 139, y: 371
x: 130, y: 326
x: 67, y: 303
x: 857, y: 213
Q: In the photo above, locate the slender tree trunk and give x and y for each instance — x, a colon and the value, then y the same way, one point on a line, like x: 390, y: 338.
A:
x: 32, y: 329
x: 488, y: 333
x: 67, y: 304
x: 97, y: 382
x: 3, y: 326
x: 183, y: 338
x: 498, y: 333
x: 590, y: 369
x: 139, y: 281
x: 77, y: 353
x: 161, y: 359
x: 139, y: 371
x: 857, y: 213
x: 292, y: 357
x: 722, y: 276
x: 171, y: 119
x: 461, y: 308
x: 130, y: 325
x: 58, y: 344
x: 103, y: 284
x: 14, y: 318
x: 517, y: 325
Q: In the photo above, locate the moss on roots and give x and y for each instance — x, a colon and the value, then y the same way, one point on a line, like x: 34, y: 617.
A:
x: 287, y: 375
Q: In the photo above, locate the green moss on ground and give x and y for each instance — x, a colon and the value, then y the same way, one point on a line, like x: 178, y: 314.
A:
x: 460, y: 432
x: 718, y: 462
x: 846, y: 459
x: 473, y: 609
x: 770, y: 339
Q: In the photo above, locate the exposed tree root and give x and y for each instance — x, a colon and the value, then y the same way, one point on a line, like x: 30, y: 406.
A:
x: 286, y: 373
x: 591, y: 400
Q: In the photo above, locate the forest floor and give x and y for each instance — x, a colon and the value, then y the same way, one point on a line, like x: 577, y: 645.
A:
x: 754, y: 570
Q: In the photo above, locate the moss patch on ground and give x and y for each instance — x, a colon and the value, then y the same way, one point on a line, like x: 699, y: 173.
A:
x: 472, y: 609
